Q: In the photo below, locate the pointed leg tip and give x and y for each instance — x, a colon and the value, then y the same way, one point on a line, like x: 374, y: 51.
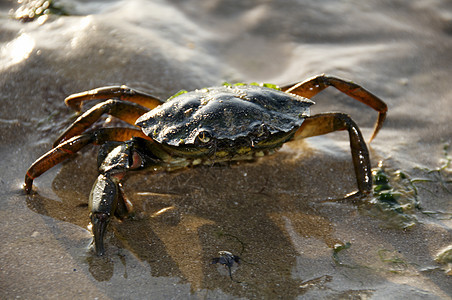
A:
x: 28, y: 185
x: 100, y: 251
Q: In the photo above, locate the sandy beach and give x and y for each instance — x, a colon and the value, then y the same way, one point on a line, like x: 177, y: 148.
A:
x: 276, y: 213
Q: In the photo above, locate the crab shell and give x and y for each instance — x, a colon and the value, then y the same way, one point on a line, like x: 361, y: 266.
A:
x: 224, y: 113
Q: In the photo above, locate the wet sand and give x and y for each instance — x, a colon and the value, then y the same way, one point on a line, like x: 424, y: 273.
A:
x: 273, y: 213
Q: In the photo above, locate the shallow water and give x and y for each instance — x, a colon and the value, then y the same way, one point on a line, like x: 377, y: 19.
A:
x: 272, y: 213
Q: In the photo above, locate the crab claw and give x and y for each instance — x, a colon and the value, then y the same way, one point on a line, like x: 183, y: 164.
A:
x: 100, y: 222
x: 103, y: 201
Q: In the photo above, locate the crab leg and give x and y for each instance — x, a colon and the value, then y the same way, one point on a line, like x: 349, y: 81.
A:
x: 330, y: 122
x: 126, y: 111
x: 315, y: 85
x: 66, y: 149
x: 122, y: 92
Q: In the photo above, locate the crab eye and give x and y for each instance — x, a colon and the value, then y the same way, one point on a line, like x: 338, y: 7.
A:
x: 204, y: 136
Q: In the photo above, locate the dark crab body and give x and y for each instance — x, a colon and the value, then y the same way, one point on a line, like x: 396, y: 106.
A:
x: 225, y: 113
x: 227, y: 123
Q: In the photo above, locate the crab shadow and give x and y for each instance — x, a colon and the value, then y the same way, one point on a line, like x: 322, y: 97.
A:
x: 255, y: 210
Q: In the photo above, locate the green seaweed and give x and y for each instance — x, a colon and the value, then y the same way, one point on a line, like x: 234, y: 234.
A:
x: 394, y: 197
x: 267, y: 85
x: 338, y: 248
x: 396, y: 194
x: 181, y: 92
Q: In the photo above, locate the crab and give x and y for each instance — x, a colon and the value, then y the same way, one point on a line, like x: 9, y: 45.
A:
x: 205, y: 126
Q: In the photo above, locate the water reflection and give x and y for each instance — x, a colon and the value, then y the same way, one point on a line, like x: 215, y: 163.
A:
x: 17, y: 50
